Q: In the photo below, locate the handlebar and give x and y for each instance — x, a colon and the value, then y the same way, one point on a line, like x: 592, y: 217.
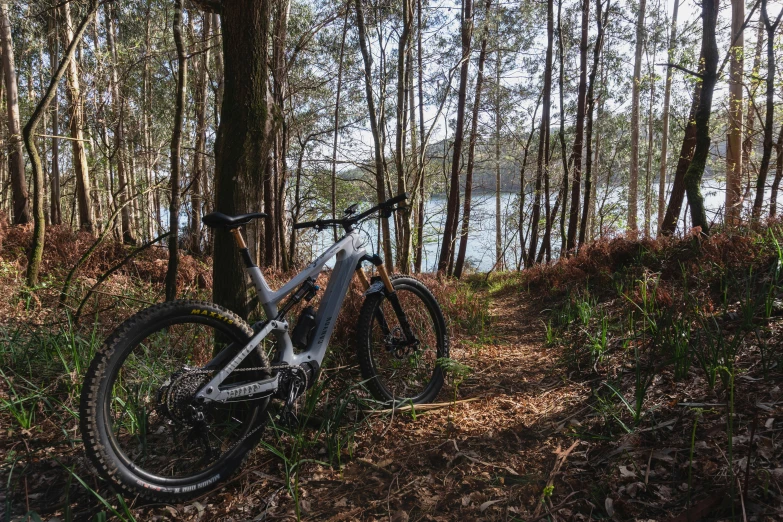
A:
x: 347, y: 223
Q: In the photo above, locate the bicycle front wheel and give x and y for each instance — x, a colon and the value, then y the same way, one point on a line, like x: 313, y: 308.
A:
x: 398, y: 369
x: 140, y: 426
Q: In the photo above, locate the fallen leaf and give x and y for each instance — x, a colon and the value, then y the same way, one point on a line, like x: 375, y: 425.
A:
x: 483, y: 507
x: 625, y: 472
x: 609, y: 505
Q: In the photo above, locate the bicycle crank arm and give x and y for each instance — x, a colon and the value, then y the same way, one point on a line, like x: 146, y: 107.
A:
x: 212, y: 391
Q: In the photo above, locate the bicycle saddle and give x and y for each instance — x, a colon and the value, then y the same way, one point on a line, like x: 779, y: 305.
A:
x: 218, y: 219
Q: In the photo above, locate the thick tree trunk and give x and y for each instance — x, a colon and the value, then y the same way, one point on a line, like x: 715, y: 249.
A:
x: 452, y: 208
x: 380, y: 166
x: 176, y: 153
x: 633, y: 184
x: 76, y: 122
x: 709, y: 77
x: 667, y: 94
x: 734, y: 138
x: 423, y: 146
x: 573, y: 217
x: 245, y: 137
x: 761, y: 182
x: 402, y: 219
x: 463, y: 242
x: 542, y: 162
x: 21, y: 197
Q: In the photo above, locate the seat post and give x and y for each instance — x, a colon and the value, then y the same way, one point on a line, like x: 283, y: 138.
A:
x: 243, y: 251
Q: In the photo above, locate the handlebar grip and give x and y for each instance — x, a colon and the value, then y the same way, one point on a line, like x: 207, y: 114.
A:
x: 397, y: 199
x: 305, y: 224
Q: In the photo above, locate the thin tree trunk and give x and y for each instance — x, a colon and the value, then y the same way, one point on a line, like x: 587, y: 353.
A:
x: 333, y: 198
x: 523, y: 185
x: 76, y: 122
x: 380, y: 169
x: 542, y: 162
x: 633, y: 184
x: 761, y: 182
x: 709, y: 77
x: 650, y: 134
x: 665, y: 137
x: 561, y: 134
x: 21, y: 197
x: 573, y: 218
x: 734, y: 138
x: 773, y: 199
x: 750, y: 115
x: 452, y: 209
x: 402, y: 220
x: 28, y: 134
x: 463, y: 242
x: 601, y: 20
x: 418, y: 255
x: 498, y: 125
x: 200, y: 158
x: 128, y: 232
x: 176, y: 153
x: 55, y: 211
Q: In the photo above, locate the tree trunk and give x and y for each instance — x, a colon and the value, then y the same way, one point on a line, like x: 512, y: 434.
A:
x: 423, y: 148
x: 561, y: 134
x: 498, y: 126
x: 380, y: 166
x: 333, y: 198
x: 244, y: 140
x: 750, y: 114
x: 686, y: 154
x: 665, y: 137
x: 542, y: 162
x: 523, y: 186
x: 589, y: 189
x: 402, y: 219
x: 633, y: 184
x: 452, y: 208
x: 773, y: 199
x: 463, y: 242
x: 200, y: 158
x: 76, y: 122
x: 709, y: 77
x: 573, y: 218
x: 734, y: 138
x: 650, y: 135
x: 21, y: 197
x: 28, y: 134
x: 176, y: 153
x: 128, y: 230
x: 55, y: 211
x: 761, y: 182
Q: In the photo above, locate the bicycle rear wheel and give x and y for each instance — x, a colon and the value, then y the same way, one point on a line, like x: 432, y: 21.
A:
x: 396, y: 369
x: 138, y: 422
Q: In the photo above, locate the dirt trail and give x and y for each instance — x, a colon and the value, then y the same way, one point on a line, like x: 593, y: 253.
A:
x: 486, y: 459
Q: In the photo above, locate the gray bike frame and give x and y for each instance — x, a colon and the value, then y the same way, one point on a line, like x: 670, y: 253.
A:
x: 348, y: 252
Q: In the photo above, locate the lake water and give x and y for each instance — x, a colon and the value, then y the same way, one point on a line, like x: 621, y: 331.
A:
x: 480, y: 253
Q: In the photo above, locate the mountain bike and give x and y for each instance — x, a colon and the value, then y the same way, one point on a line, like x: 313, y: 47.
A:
x: 180, y: 393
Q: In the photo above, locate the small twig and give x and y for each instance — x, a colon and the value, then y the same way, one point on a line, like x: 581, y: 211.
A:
x: 750, y: 451
x: 561, y: 505
x: 562, y: 456
x: 681, y: 68
x: 376, y: 467
x: 424, y: 407
x: 647, y: 471
x: 742, y: 501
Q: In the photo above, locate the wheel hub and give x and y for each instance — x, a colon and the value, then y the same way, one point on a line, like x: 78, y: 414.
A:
x: 175, y: 397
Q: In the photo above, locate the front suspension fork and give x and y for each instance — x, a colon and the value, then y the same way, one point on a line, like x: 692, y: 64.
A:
x: 391, y: 295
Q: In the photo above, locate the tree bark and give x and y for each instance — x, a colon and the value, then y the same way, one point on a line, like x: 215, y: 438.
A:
x: 76, y: 123
x: 498, y: 126
x: 452, y: 208
x: 21, y: 196
x: 633, y: 184
x: 463, y: 242
x: 176, y: 153
x: 773, y: 199
x: 667, y: 94
x: 709, y: 76
x: 601, y: 20
x: 55, y: 211
x: 128, y: 229
x: 573, y: 218
x: 245, y: 137
x: 542, y: 162
x: 199, y: 159
x: 380, y: 166
x: 750, y: 114
x: 333, y: 192
x: 28, y: 134
x: 761, y: 181
x: 417, y: 260
x: 734, y: 138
